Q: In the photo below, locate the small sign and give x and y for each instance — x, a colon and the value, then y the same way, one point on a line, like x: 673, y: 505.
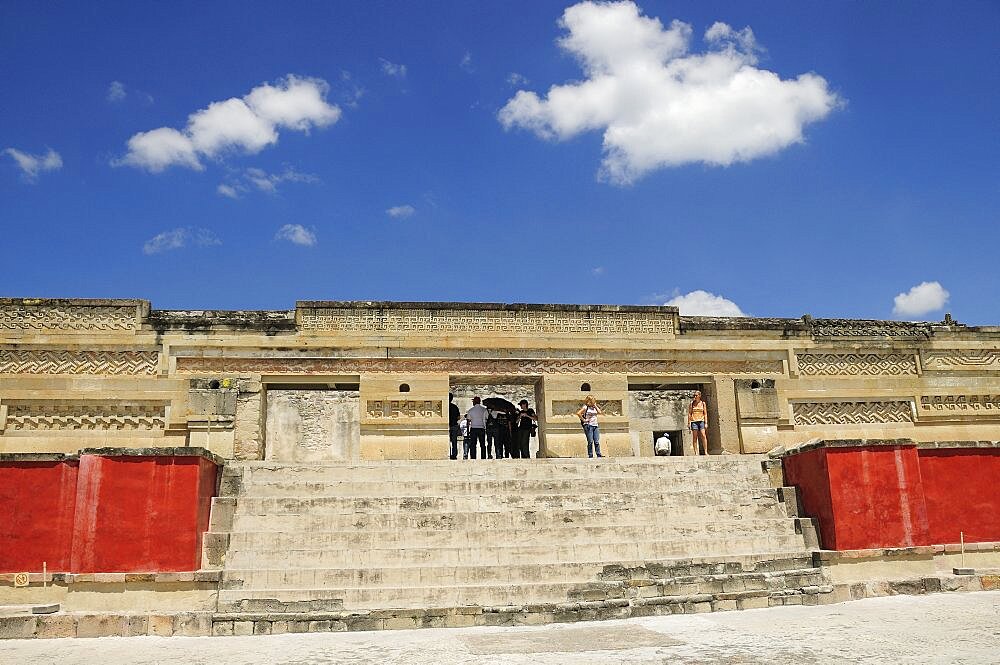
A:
x: 21, y: 579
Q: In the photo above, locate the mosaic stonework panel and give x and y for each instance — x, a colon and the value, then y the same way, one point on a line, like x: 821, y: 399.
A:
x: 49, y: 317
x: 856, y: 364
x: 962, y: 360
x: 868, y: 328
x: 43, y: 361
x: 403, y: 408
x: 852, y: 413
x: 493, y: 322
x: 60, y: 415
x: 471, y: 366
x: 987, y: 405
x: 610, y: 407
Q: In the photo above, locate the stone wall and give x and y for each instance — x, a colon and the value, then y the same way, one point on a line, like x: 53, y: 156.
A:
x: 312, y: 426
x: 79, y: 373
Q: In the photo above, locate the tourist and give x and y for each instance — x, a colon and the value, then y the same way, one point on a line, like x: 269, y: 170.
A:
x: 588, y: 418
x: 526, y: 426
x: 454, y: 415
x: 662, y: 445
x: 698, y: 419
x: 477, y: 428
x: 463, y: 426
x: 498, y: 433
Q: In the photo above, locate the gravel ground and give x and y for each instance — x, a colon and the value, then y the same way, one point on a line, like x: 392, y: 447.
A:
x: 940, y: 628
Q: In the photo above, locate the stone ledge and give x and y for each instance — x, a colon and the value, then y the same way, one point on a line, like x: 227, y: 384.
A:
x: 815, y: 444
x: 828, y: 557
x: 184, y: 451
x: 65, y: 579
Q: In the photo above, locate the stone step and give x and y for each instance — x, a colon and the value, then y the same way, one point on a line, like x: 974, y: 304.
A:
x: 679, y: 532
x: 522, y: 487
x: 448, y: 470
x: 369, y: 597
x: 524, y: 521
x: 493, y: 502
x: 424, y: 576
x: 494, y: 554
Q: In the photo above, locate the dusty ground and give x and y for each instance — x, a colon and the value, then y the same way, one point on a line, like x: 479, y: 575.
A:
x: 942, y: 628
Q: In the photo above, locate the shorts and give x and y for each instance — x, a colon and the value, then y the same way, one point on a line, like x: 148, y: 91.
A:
x: 697, y: 425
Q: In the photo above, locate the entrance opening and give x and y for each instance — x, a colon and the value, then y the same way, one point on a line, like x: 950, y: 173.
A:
x: 512, y: 389
x: 676, y: 443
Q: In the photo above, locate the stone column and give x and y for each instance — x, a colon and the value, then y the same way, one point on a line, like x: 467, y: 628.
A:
x: 723, y: 420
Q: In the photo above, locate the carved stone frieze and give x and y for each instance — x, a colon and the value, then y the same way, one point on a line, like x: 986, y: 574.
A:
x: 856, y: 364
x: 67, y: 317
x: 403, y: 408
x: 610, y: 407
x: 57, y: 361
x: 493, y: 322
x: 231, y: 365
x: 852, y: 413
x: 868, y: 328
x: 84, y: 415
x: 965, y: 404
x: 962, y: 360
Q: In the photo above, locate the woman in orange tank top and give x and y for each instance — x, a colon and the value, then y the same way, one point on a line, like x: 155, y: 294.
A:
x: 698, y: 421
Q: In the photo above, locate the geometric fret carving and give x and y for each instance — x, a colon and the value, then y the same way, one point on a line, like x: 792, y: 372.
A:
x: 970, y: 404
x: 67, y: 317
x: 477, y: 366
x: 44, y: 361
x: 494, y: 322
x: 856, y: 364
x: 962, y: 360
x: 852, y: 413
x: 610, y: 407
x: 868, y: 328
x: 84, y: 415
x: 403, y: 408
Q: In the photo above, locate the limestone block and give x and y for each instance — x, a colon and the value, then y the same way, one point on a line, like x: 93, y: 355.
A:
x: 220, y: 628
x: 243, y: 628
x: 18, y: 627
x: 161, y: 625
x: 193, y: 624
x: 137, y: 625
x: 312, y: 425
x: 101, y: 625
x: 56, y: 625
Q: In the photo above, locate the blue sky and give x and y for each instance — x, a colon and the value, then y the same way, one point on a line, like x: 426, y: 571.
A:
x: 399, y: 161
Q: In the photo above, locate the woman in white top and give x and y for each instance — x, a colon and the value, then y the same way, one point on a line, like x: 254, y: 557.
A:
x: 588, y: 418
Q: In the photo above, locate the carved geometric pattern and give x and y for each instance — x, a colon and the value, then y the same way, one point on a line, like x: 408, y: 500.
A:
x: 856, y: 364
x: 408, y: 408
x: 868, y: 328
x: 59, y: 415
x: 987, y: 404
x: 517, y: 322
x: 55, y: 317
x: 987, y: 359
x: 42, y: 361
x: 474, y: 366
x: 610, y: 407
x: 852, y: 413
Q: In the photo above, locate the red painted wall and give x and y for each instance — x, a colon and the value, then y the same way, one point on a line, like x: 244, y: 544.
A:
x: 962, y: 491
x: 808, y: 472
x: 119, y: 514
x: 37, y: 504
x: 898, y: 495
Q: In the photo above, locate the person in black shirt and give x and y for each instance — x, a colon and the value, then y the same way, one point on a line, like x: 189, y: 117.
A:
x: 453, y: 429
x: 525, y: 425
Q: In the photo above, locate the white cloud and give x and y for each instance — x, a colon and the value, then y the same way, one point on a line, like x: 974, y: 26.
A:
x: 296, y: 234
x: 516, y: 79
x: 228, y: 191
x: 660, y: 105
x: 401, y: 212
x: 116, y: 92
x: 703, y: 303
x: 466, y: 62
x: 598, y: 271
x: 180, y: 237
x: 921, y: 299
x: 32, y: 165
x: 392, y: 69
x: 247, y: 124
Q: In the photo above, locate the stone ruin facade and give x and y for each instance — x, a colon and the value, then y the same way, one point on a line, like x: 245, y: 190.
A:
x: 355, y: 381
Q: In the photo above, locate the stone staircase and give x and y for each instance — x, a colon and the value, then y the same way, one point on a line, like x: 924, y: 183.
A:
x: 397, y: 536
